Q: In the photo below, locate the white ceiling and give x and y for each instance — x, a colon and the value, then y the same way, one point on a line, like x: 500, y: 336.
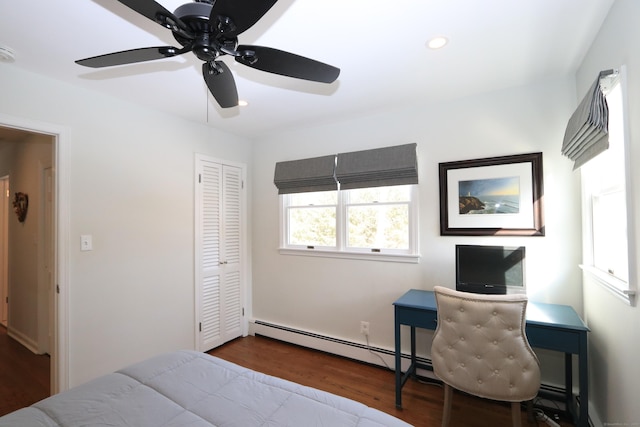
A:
x: 378, y: 45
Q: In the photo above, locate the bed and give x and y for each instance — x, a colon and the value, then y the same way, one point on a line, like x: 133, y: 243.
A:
x: 188, y: 388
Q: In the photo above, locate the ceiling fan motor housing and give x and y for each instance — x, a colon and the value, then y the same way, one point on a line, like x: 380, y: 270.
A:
x: 205, y: 45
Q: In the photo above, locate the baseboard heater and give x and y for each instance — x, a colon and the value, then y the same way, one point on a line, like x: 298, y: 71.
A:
x: 349, y: 344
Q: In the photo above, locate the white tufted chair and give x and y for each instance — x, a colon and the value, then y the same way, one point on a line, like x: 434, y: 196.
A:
x: 480, y: 348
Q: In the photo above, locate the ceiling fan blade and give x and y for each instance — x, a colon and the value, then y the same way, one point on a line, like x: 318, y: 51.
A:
x: 131, y: 56
x: 221, y: 83
x: 157, y: 13
x: 286, y: 64
x: 242, y: 13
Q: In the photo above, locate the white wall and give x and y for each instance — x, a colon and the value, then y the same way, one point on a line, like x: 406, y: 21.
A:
x: 331, y: 296
x: 615, y: 336
x: 131, y: 186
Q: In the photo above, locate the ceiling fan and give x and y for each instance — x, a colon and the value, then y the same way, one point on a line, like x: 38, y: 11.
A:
x: 210, y: 29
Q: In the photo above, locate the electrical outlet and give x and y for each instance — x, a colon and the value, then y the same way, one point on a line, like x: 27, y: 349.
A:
x: 364, y: 327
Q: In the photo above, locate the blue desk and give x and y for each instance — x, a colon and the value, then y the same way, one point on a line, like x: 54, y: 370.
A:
x: 549, y: 326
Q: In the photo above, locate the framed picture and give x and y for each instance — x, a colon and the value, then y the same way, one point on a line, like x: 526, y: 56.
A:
x: 492, y: 196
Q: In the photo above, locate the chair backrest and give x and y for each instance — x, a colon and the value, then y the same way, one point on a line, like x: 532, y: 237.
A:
x: 480, y: 346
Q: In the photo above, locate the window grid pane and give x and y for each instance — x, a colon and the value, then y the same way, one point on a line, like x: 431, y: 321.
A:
x: 379, y: 226
x: 610, y: 234
x: 312, y: 226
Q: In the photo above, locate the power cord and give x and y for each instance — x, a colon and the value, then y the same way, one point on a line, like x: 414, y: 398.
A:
x: 426, y: 381
x: 541, y: 416
x: 376, y: 354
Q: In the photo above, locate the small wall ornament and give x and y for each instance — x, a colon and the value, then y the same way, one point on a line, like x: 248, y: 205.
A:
x: 20, y: 206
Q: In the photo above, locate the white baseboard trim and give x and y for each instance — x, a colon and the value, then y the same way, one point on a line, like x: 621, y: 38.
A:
x: 360, y: 351
x: 594, y: 417
x: 23, y: 339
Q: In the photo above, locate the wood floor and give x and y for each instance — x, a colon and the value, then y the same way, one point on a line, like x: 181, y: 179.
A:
x: 24, y: 376
x: 24, y: 379
x: 374, y: 386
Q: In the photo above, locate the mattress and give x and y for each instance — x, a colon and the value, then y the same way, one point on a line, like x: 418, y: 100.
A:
x: 188, y: 388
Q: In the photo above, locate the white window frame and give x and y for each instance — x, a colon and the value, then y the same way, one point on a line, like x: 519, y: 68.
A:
x: 626, y: 291
x: 341, y: 250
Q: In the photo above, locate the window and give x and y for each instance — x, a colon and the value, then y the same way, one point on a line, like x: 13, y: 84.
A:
x: 606, y: 248
x: 378, y: 222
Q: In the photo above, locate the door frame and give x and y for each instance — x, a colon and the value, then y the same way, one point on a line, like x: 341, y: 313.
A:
x: 46, y: 261
x: 60, y: 350
x: 4, y: 253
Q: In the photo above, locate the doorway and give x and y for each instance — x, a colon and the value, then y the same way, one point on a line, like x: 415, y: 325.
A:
x: 52, y: 257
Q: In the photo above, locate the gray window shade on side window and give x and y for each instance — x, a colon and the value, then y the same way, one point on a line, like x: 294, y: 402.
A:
x: 379, y: 167
x: 587, y: 133
x: 306, y: 175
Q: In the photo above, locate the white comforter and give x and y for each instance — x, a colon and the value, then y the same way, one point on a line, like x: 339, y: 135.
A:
x: 188, y: 388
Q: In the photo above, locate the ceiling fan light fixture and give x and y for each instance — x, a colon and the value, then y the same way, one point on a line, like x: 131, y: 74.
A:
x: 437, y: 42
x: 7, y: 54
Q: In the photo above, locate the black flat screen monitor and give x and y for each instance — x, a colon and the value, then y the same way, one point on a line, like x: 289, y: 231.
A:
x: 490, y: 269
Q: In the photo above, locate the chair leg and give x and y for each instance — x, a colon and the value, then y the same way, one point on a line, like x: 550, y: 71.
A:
x: 516, y: 416
x: 446, y: 412
x: 530, y: 417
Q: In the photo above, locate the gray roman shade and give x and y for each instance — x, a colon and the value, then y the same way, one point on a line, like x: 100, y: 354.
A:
x: 397, y: 165
x: 587, y: 133
x: 299, y: 176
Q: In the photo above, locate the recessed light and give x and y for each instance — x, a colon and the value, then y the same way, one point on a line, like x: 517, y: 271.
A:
x: 242, y: 103
x: 7, y: 54
x: 437, y: 42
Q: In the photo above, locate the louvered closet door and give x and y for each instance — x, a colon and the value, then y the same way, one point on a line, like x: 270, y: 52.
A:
x: 218, y: 253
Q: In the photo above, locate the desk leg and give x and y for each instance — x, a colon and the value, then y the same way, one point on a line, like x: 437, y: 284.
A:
x: 413, y: 352
x: 583, y: 377
x: 568, y: 385
x: 580, y: 418
x: 398, y: 363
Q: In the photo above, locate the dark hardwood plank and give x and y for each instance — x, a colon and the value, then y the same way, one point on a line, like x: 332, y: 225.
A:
x: 372, y: 385
x: 24, y: 376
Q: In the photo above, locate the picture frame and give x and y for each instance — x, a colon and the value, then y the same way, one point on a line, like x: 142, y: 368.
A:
x: 494, y: 196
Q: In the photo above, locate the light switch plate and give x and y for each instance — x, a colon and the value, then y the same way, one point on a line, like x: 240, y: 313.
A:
x: 86, y: 242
